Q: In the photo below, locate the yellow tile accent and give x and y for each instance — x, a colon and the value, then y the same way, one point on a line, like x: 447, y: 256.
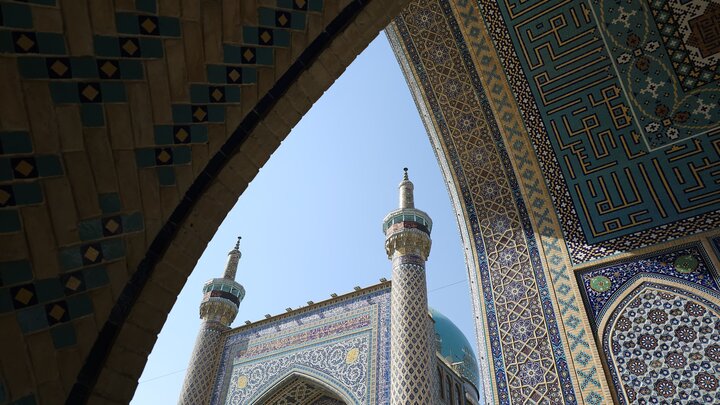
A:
x: 24, y: 167
x: 59, y: 67
x: 300, y: 3
x: 265, y: 36
x: 112, y: 226
x: 242, y: 381
x: 352, y: 355
x: 217, y: 95
x: 91, y: 254
x: 182, y: 135
x: 234, y: 74
x: 248, y: 54
x: 149, y: 25
x: 4, y: 197
x: 57, y: 312
x: 164, y: 156
x: 282, y: 20
x: 90, y: 92
x: 73, y: 283
x: 25, y: 42
x: 24, y: 296
x: 199, y: 114
x: 130, y: 47
x: 108, y: 68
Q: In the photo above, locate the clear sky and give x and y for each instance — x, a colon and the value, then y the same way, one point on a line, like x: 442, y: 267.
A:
x: 311, y: 220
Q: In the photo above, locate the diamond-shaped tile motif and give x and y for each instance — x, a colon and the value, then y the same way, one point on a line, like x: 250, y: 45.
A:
x: 25, y: 42
x: 24, y: 168
x: 108, y: 69
x: 130, y: 47
x: 91, y: 254
x: 59, y: 68
x: 148, y: 25
x: 24, y: 296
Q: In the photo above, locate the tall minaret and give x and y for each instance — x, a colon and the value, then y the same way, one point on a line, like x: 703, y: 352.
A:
x: 412, y: 351
x: 221, y: 299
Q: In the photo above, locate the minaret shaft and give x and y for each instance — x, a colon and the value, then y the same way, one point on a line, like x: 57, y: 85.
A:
x: 219, y: 306
x: 407, y: 244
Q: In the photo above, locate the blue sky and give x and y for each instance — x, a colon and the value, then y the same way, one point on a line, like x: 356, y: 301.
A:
x: 311, y: 220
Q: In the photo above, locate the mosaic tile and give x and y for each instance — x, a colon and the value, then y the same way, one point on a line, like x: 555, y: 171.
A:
x: 15, y: 142
x: 92, y: 115
x: 166, y: 176
x: 63, y: 336
x: 15, y: 272
x: 48, y: 290
x: 109, y: 203
x: 32, y: 319
x: 10, y: 221
x: 148, y: 6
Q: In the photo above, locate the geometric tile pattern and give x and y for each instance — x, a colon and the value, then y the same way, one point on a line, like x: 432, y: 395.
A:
x: 302, y: 392
x: 204, y: 359
x: 626, y: 152
x: 687, y: 265
x: 345, y: 344
x: 528, y: 359
x: 411, y: 368
x: 663, y: 344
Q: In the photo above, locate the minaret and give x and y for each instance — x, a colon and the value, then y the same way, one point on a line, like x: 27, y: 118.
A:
x: 221, y: 299
x: 412, y: 351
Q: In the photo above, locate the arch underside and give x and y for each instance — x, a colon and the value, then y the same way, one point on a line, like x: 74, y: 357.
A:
x: 129, y: 129
x: 300, y: 391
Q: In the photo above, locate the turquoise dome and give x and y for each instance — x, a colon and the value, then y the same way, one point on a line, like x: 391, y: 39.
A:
x: 455, y: 348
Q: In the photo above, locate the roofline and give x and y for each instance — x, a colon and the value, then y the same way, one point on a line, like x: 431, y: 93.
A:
x: 314, y: 306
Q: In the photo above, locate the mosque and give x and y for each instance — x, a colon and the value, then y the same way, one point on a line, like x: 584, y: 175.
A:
x: 365, y: 347
x: 579, y: 141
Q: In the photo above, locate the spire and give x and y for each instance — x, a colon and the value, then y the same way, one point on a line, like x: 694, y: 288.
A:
x: 232, y: 262
x: 406, y: 192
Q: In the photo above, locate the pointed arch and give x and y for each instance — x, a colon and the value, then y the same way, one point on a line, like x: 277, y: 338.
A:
x: 662, y: 339
x: 314, y: 377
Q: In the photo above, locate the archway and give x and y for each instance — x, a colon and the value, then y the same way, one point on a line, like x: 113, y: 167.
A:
x: 301, y: 390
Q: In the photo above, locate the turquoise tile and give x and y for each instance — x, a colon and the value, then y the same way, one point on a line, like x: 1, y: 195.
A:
x: 32, y: 319
x: 199, y: 133
x: 51, y: 43
x: 216, y: 74
x: 5, y: 300
x: 113, y: 248
x: 6, y: 170
x: 199, y: 94
x: 70, y: 258
x: 49, y: 290
x: 27, y: 193
x: 145, y: 157
x: 32, y: 68
x: 182, y: 155
x: 113, y: 92
x: 64, y: 92
x: 127, y: 23
x: 263, y: 56
x: 95, y: 277
x: 16, y: 15
x: 216, y: 113
x: 84, y: 67
x: 164, y: 135
x: 15, y: 142
x: 10, y: 221
x: 133, y: 222
x: 298, y: 21
x: 90, y: 229
x: 249, y: 75
x: 232, y: 54
x: 148, y: 6
x: 79, y: 305
x: 266, y: 17
x: 6, y: 42
x: 15, y: 272
x: 166, y: 176
x: 43, y: 2
x: 285, y: 3
x: 181, y: 113
x: 250, y: 35
x: 151, y: 48
x: 169, y: 26
x: 48, y: 165
x: 30, y: 399
x: 281, y: 38
x: 92, y: 114
x: 131, y: 69
x: 232, y: 94
x: 106, y: 46
x: 110, y: 203
x: 315, y: 5
x: 63, y: 335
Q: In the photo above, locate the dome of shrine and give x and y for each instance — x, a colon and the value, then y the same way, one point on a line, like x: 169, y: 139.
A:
x: 454, y: 347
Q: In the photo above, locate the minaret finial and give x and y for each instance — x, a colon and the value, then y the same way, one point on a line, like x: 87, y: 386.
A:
x: 233, y: 259
x: 237, y: 244
x: 406, y: 191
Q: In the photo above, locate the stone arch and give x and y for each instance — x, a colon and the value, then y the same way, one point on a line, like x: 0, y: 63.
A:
x: 661, y: 339
x: 313, y: 377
